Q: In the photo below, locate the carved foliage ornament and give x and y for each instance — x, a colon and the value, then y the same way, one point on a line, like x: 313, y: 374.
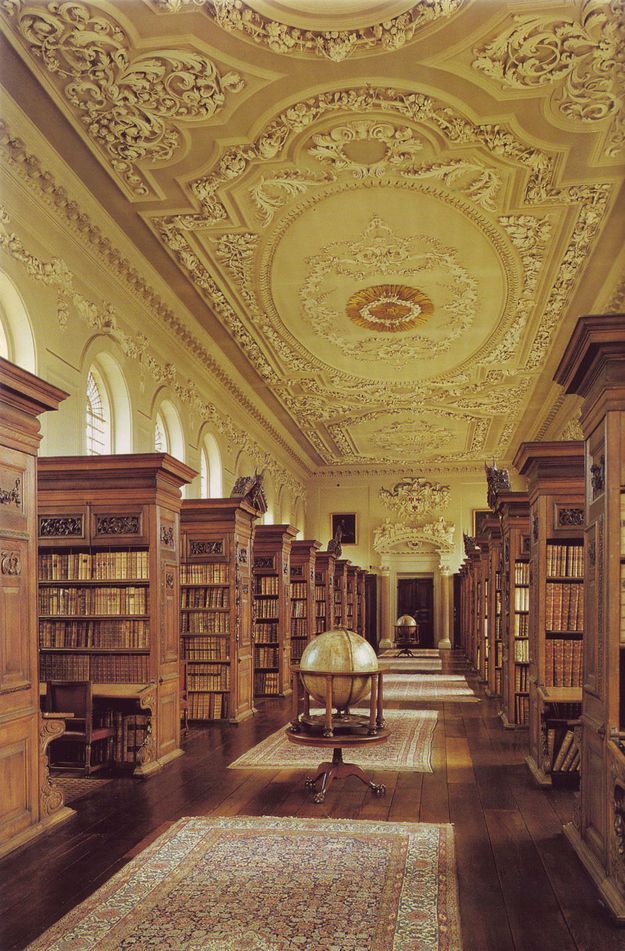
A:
x: 498, y: 480
x: 582, y: 57
x: 570, y: 517
x: 10, y: 563
x: 396, y: 537
x: 167, y: 535
x: 129, y: 102
x: 336, y: 45
x: 415, y: 496
x: 199, y: 547
x: 117, y: 525
x: 10, y: 496
x: 61, y: 527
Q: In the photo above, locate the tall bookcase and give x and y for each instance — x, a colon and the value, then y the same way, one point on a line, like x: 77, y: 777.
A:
x: 28, y: 801
x: 493, y: 609
x: 555, y: 474
x: 325, y: 564
x: 485, y: 618
x: 513, y: 510
x: 475, y: 653
x: 216, y: 607
x: 340, y: 592
x: 109, y: 599
x: 361, y: 602
x: 272, y: 610
x: 351, y: 597
x: 593, y: 366
x: 303, y: 605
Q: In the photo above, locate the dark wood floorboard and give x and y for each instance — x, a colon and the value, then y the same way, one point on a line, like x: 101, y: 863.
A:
x: 521, y: 887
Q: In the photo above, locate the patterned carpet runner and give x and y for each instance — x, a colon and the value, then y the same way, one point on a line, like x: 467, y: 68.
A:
x: 268, y: 884
x: 77, y: 787
x: 445, y: 687
x: 409, y: 747
x: 411, y: 664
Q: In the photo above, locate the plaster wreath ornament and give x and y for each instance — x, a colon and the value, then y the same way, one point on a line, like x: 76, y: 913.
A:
x: 416, y: 496
x: 583, y: 57
x: 377, y: 250
x: 128, y: 101
x: 397, y: 537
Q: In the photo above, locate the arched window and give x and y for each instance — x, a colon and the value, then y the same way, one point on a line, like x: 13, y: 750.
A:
x: 161, y: 438
x: 4, y: 343
x: 210, y: 469
x: 97, y: 415
x: 17, y: 343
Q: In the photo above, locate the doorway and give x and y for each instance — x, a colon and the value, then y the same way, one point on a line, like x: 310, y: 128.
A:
x: 415, y: 596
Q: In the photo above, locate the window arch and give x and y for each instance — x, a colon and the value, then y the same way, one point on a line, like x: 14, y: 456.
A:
x: 97, y: 415
x: 4, y: 343
x: 211, y: 482
x: 168, y: 434
x: 16, y: 337
x: 161, y: 436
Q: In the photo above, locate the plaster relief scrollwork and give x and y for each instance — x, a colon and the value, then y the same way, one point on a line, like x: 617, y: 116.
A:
x: 582, y: 58
x: 336, y: 45
x: 397, y: 537
x: 129, y: 102
x: 416, y: 496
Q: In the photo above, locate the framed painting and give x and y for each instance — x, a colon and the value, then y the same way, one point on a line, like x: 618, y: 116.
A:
x: 347, y: 522
x: 479, y: 517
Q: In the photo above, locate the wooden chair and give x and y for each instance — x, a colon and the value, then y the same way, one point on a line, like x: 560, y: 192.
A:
x: 184, y: 699
x: 75, y: 698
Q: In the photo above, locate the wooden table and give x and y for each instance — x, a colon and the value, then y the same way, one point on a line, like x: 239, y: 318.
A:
x: 336, y: 768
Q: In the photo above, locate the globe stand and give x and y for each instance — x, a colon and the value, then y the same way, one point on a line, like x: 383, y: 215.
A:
x: 336, y: 768
x: 406, y: 638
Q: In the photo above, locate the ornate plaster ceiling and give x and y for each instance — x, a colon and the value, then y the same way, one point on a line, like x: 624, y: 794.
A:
x: 390, y: 214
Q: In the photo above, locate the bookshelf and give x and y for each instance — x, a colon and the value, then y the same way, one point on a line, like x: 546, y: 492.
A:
x: 361, y: 602
x: 109, y: 601
x: 216, y: 607
x: 475, y: 655
x: 351, y: 605
x: 487, y: 537
x: 555, y: 474
x: 513, y: 511
x: 303, y: 594
x: 325, y: 564
x: 593, y: 367
x: 493, y: 609
x: 272, y: 610
x: 340, y: 592
x: 29, y: 803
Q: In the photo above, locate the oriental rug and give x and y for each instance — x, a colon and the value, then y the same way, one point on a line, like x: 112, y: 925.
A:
x: 409, y: 747
x: 450, y: 687
x: 268, y: 884
x: 411, y: 664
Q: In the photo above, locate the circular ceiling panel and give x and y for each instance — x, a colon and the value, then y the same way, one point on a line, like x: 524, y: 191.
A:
x: 330, y: 14
x: 400, y: 259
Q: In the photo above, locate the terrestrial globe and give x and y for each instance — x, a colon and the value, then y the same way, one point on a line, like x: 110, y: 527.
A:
x: 405, y: 626
x: 338, y: 651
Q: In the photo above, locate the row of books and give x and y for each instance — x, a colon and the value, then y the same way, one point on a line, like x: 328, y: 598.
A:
x: 320, y: 609
x: 266, y: 682
x: 266, y: 584
x: 266, y: 631
x: 207, y: 706
x: 320, y: 592
x: 562, y: 751
x: 298, y: 609
x: 320, y: 625
x: 130, y: 735
x: 206, y: 648
x: 521, y: 709
x: 622, y: 627
x: 298, y: 645
x: 84, y: 601
x: 299, y: 589
x: 267, y: 609
x: 521, y: 572
x: 205, y: 597
x: 204, y: 574
x: 498, y: 654
x: 521, y: 625
x: 521, y: 681
x: 521, y: 599
x: 299, y: 626
x: 267, y: 656
x: 198, y: 623
x: 521, y: 650
x: 122, y: 634
x: 564, y: 606
x: 563, y: 662
x: 115, y: 668
x: 93, y: 566
x: 218, y: 678
x: 565, y: 560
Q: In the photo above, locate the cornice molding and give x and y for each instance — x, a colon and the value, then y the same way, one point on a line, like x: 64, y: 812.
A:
x: 29, y: 168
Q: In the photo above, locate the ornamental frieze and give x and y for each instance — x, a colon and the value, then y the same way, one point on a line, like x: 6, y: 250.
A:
x: 117, y: 525
x: 113, y: 89
x: 203, y: 547
x: 397, y: 537
x: 66, y: 526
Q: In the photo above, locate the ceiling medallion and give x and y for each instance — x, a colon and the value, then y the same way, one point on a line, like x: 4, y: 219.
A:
x: 389, y: 308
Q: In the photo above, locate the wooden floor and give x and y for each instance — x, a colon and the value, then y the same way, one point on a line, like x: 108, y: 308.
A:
x: 521, y: 885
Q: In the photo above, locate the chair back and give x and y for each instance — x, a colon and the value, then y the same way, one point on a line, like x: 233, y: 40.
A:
x: 64, y: 696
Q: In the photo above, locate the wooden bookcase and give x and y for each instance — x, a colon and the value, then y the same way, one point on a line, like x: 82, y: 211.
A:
x: 463, y: 607
x: 493, y: 609
x: 361, y: 602
x: 109, y: 599
x: 513, y: 511
x: 303, y: 558
x: 29, y: 803
x: 351, y: 596
x: 555, y: 474
x: 272, y: 610
x: 325, y: 564
x: 340, y: 592
x: 593, y: 366
x: 476, y: 602
x: 485, y: 586
x: 216, y: 607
